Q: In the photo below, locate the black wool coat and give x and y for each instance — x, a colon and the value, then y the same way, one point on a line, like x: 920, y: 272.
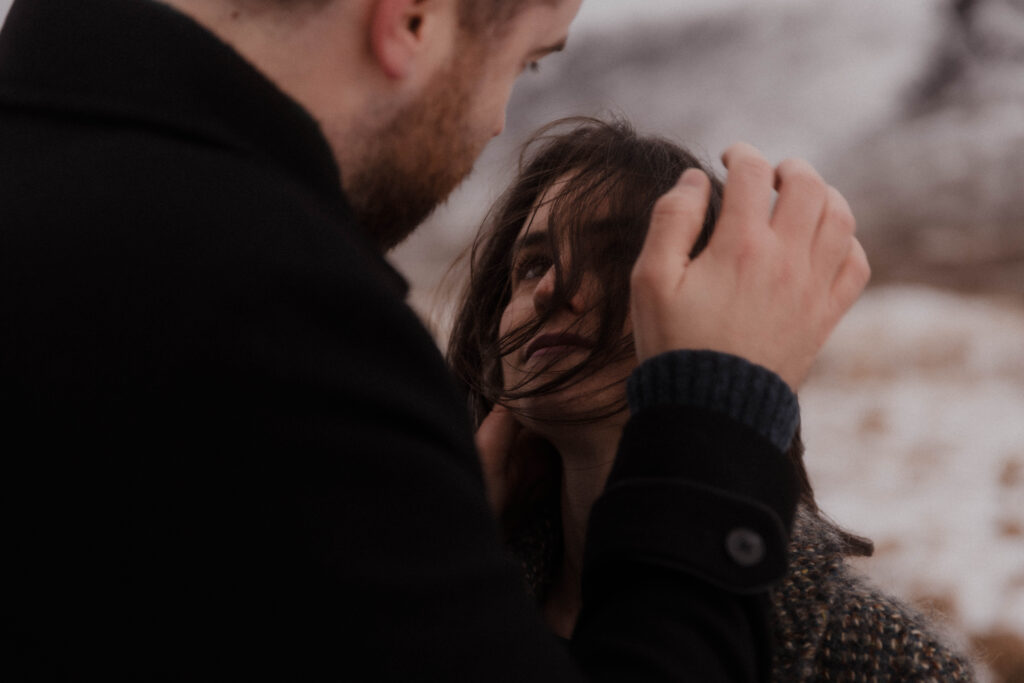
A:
x: 231, y: 451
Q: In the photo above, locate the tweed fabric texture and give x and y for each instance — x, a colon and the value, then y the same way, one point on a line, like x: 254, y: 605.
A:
x: 828, y: 624
x: 831, y: 625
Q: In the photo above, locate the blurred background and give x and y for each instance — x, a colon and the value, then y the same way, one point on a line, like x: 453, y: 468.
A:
x: 914, y: 416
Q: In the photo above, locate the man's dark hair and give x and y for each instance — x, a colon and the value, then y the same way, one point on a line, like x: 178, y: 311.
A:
x: 483, y: 16
x: 476, y: 16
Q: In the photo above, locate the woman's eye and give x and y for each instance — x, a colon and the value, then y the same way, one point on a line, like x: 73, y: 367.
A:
x: 531, y: 268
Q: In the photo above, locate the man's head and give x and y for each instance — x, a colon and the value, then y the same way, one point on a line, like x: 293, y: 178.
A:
x: 407, y: 92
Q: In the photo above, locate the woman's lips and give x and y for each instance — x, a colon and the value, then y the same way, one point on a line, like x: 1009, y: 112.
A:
x: 555, y: 343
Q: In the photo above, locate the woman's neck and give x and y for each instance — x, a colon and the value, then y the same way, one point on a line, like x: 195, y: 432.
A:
x: 587, y: 453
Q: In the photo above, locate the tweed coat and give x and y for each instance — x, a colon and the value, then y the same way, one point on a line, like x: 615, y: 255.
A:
x: 831, y: 625
x: 828, y: 623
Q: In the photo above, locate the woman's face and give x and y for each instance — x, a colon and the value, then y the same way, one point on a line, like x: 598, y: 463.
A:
x: 567, y: 336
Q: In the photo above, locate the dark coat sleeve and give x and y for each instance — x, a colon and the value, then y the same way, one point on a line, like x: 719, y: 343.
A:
x: 237, y: 454
x: 393, y: 518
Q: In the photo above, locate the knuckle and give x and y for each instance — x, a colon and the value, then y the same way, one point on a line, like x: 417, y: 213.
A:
x: 799, y: 175
x: 799, y: 170
x: 854, y: 277
x: 751, y: 164
x: 861, y: 264
x: 786, y: 276
x: 839, y: 212
x: 748, y: 251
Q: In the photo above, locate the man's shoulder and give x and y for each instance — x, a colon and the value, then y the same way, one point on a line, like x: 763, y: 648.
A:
x: 133, y: 229
x: 161, y: 196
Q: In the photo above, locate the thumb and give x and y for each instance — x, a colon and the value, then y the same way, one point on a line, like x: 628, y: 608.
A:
x: 676, y: 223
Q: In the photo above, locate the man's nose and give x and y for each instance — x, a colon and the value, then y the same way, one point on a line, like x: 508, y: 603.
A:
x: 499, y: 125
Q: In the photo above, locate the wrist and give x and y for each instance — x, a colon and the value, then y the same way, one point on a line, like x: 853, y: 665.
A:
x: 743, y: 391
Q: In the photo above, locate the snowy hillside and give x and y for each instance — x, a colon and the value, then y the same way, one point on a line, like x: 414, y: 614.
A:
x: 914, y: 424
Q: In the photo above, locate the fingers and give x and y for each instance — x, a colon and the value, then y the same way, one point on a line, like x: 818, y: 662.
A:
x: 749, y: 190
x: 773, y: 283
x: 801, y: 203
x: 852, y: 277
x: 834, y: 236
x: 495, y: 438
x: 676, y: 222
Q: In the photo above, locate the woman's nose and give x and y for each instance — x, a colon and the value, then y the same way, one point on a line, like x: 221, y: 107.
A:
x: 544, y: 291
x: 544, y: 294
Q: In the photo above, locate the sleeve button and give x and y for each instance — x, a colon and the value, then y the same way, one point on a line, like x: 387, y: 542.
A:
x: 745, y: 547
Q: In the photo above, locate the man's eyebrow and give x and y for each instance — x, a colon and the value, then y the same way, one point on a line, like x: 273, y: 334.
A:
x: 556, y: 47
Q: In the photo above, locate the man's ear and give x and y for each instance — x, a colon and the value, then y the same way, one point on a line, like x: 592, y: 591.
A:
x: 396, y: 34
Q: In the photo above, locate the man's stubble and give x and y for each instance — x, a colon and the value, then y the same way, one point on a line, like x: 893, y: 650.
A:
x: 415, y: 161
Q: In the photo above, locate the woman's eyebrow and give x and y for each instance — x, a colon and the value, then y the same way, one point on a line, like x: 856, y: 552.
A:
x: 530, y: 239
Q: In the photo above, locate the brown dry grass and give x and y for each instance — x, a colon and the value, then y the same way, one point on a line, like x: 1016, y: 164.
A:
x: 1003, y: 651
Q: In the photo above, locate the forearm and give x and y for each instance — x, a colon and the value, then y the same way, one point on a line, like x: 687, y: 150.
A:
x: 700, y: 502
x: 388, y: 560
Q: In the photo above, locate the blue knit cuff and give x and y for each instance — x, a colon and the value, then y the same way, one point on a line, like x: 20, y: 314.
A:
x: 727, y: 384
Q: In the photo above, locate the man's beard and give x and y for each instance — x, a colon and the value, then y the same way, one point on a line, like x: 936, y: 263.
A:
x: 416, y: 160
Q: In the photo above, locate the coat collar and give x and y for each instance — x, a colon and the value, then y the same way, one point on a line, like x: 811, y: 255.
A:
x: 139, y: 62
x: 803, y: 601
x: 801, y: 604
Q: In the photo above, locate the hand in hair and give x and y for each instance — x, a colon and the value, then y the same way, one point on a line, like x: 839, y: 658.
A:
x: 494, y: 440
x: 772, y: 283
x: 511, y: 456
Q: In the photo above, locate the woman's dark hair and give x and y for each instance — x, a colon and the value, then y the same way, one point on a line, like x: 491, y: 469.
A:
x: 600, y: 180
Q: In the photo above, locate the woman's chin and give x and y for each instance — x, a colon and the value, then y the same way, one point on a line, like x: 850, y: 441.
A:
x: 538, y: 413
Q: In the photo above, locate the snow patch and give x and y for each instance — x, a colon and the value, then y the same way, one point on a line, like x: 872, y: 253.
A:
x: 914, y: 425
